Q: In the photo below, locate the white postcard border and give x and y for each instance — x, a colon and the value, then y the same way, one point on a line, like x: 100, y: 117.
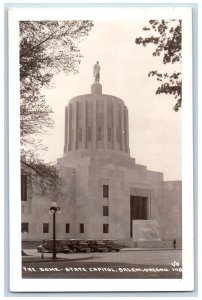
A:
x: 16, y: 282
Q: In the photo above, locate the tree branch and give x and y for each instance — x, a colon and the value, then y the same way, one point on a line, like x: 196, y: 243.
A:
x: 42, y: 42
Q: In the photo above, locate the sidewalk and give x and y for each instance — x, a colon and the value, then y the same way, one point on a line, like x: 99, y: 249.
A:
x: 60, y: 257
x: 149, y: 249
x: 33, y: 256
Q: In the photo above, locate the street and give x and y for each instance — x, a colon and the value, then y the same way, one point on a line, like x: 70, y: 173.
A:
x: 125, y: 264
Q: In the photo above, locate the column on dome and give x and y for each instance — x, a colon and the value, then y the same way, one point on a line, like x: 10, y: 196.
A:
x: 118, y: 127
x: 126, y: 130
x: 66, y: 130
x: 94, y: 129
x: 110, y: 124
x: 84, y: 141
x: 100, y: 123
x: 105, y: 124
x: 74, y: 125
x: 89, y: 124
x: 115, y: 147
x: 122, y: 131
x: 80, y: 118
x: 69, y: 129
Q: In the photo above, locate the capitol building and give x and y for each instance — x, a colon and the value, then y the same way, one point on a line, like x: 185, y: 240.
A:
x: 107, y: 195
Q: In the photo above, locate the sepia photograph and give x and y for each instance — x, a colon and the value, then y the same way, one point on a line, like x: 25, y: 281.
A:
x: 100, y: 190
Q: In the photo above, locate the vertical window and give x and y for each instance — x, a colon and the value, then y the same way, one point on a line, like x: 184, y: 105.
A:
x: 67, y: 229
x: 24, y: 227
x: 105, y: 211
x: 23, y: 187
x: 99, y: 133
x: 109, y: 132
x: 81, y: 228
x: 89, y: 134
x: 80, y: 134
x: 105, y: 228
x: 45, y: 228
x: 105, y: 191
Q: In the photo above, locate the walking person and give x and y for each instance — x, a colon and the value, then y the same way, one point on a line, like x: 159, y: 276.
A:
x: 42, y: 249
x: 174, y: 243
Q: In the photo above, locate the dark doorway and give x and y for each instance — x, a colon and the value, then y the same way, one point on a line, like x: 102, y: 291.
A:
x: 138, y: 210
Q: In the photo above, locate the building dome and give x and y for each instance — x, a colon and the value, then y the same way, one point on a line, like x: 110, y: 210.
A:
x: 96, y: 121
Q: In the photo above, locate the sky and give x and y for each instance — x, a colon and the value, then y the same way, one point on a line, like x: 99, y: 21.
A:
x: 154, y: 127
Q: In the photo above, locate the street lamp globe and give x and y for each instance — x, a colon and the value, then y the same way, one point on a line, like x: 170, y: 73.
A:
x: 54, y: 204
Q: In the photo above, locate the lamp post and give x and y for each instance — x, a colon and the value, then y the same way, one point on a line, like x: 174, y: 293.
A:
x: 53, y: 209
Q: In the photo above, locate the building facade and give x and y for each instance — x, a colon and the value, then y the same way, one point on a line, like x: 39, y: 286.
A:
x: 106, y: 195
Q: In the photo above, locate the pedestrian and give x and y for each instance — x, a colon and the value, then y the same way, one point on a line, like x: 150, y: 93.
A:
x: 42, y: 249
x: 174, y: 243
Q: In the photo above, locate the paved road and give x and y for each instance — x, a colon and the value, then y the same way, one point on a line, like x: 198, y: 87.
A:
x: 125, y: 264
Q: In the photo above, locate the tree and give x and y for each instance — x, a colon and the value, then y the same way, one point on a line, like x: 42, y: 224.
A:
x: 46, y: 48
x: 44, y: 177
x: 166, y: 36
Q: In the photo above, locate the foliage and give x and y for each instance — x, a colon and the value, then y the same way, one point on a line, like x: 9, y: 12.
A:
x: 43, y: 176
x: 46, y: 48
x: 166, y: 37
